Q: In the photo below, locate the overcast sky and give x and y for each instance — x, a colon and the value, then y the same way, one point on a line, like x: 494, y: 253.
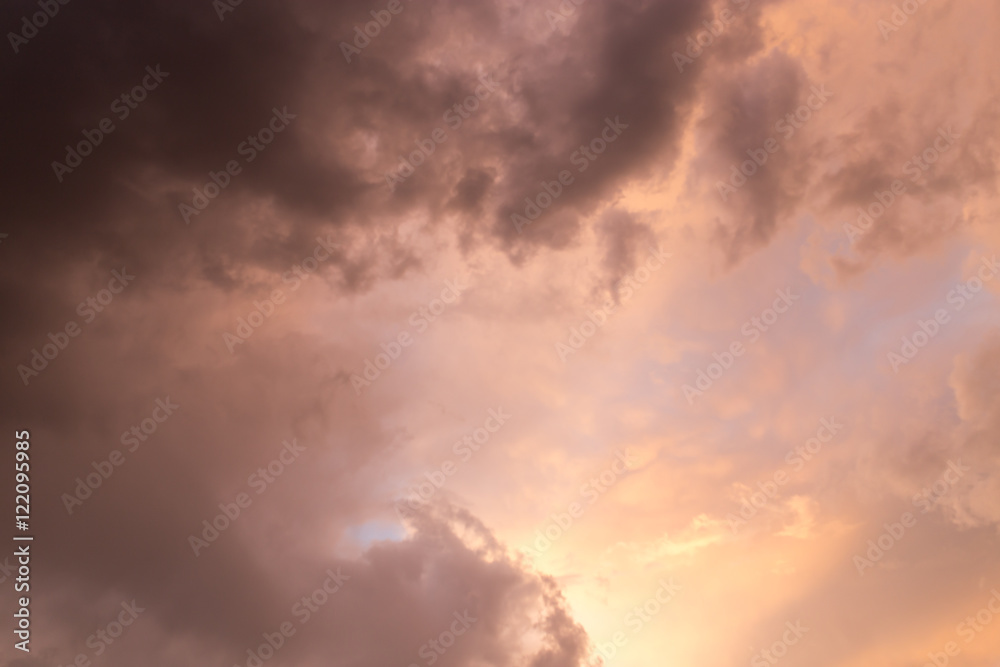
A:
x: 504, y: 333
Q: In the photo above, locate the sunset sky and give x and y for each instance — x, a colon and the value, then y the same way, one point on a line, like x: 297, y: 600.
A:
x: 495, y: 333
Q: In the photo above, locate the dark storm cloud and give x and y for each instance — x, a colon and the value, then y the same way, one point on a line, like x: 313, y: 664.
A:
x: 886, y: 146
x: 614, y: 64
x: 553, y: 94
x: 879, y: 155
x: 747, y: 107
x: 220, y: 82
x: 131, y: 538
x: 626, y: 240
x: 344, y: 126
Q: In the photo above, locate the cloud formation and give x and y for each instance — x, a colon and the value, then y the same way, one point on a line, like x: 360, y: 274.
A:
x: 218, y: 215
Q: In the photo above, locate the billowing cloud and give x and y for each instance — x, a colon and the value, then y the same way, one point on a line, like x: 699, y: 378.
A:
x: 460, y: 333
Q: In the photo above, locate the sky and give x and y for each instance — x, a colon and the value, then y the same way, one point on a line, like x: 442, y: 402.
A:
x: 501, y: 333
